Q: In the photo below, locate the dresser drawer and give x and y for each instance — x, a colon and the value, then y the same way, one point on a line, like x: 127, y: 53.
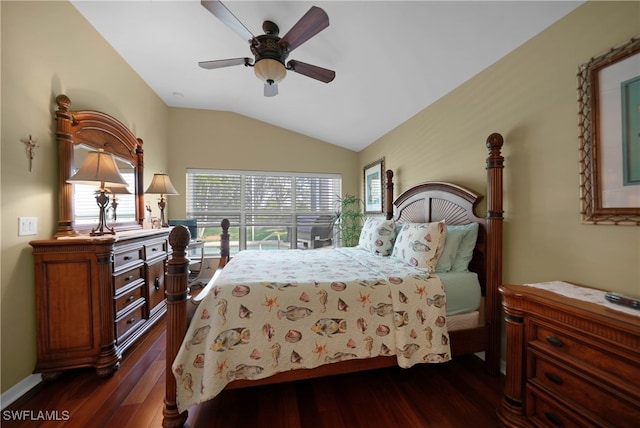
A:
x: 155, y: 278
x: 155, y: 249
x: 585, y: 349
x: 127, y: 298
x: 128, y: 322
x: 127, y: 257
x: 544, y: 411
x: 580, y: 388
x: 129, y: 277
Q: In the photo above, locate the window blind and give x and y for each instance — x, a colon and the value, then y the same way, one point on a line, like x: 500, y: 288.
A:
x: 252, y: 199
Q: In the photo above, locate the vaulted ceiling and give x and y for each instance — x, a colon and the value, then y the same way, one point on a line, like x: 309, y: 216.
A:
x: 392, y: 58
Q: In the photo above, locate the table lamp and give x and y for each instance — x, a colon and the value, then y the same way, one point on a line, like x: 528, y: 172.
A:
x: 100, y: 167
x: 161, y: 184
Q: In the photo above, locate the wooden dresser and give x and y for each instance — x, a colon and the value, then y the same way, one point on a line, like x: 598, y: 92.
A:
x: 570, y: 362
x: 95, y: 296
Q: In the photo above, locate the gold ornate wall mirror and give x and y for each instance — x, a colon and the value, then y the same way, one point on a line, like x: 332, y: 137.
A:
x: 78, y: 132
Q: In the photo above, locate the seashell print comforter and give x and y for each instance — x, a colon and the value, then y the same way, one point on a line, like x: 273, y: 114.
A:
x: 272, y: 311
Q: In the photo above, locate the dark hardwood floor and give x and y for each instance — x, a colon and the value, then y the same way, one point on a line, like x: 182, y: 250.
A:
x: 455, y: 394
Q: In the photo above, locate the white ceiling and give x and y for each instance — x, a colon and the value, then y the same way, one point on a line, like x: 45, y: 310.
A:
x: 391, y: 58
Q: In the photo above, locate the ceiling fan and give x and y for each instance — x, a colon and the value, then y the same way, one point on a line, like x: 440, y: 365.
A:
x: 270, y: 51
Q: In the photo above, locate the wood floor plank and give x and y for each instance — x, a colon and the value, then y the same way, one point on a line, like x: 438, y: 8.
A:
x: 146, y: 413
x: 455, y: 394
x: 151, y: 377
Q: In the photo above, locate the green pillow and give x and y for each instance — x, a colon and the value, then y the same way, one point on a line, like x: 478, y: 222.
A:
x: 467, y: 244
x: 450, y: 250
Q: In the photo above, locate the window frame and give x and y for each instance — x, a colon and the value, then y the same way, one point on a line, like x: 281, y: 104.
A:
x: 238, y: 214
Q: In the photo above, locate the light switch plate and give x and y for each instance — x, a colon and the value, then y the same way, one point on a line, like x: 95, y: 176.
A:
x: 27, y: 226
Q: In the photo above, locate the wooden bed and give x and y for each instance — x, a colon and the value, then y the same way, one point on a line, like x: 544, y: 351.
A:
x: 427, y: 202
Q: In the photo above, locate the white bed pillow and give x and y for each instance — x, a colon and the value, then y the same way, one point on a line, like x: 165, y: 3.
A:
x: 377, y: 236
x: 420, y: 244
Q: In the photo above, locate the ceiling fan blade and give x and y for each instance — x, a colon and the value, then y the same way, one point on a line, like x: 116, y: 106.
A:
x: 229, y: 19
x: 313, y: 71
x: 314, y: 21
x: 270, y: 90
x: 219, y: 63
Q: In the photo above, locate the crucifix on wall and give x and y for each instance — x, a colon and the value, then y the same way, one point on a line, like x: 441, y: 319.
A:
x: 31, y: 145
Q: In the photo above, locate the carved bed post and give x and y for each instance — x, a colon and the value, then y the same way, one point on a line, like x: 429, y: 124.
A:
x: 495, y: 165
x: 388, y: 199
x: 65, y: 156
x: 176, y: 319
x: 224, y: 243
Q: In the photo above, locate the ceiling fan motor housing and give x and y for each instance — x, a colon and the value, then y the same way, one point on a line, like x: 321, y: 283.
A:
x: 270, y: 58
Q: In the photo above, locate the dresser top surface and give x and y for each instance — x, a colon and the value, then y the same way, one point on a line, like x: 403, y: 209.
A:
x: 104, y: 239
x: 566, y: 295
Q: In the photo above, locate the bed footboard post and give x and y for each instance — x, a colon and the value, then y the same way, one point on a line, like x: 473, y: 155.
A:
x: 224, y: 243
x: 495, y: 165
x: 388, y: 200
x: 176, y: 319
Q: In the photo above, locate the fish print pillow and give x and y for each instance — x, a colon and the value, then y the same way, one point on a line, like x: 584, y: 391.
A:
x: 377, y: 236
x: 420, y: 244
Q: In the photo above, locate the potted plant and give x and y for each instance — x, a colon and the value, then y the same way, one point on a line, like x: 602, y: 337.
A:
x: 348, y: 220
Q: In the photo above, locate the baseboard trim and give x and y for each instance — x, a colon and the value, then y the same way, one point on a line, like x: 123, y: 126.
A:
x: 19, y: 389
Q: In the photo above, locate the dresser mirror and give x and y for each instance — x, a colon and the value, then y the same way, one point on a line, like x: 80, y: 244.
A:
x: 77, y: 133
x: 121, y: 209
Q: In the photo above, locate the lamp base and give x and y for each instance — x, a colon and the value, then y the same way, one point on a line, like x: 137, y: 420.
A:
x: 102, y: 200
x: 161, y: 205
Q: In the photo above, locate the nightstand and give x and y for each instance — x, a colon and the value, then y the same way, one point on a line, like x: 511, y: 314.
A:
x: 573, y: 359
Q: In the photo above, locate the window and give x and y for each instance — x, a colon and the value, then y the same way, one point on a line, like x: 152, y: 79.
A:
x: 268, y: 211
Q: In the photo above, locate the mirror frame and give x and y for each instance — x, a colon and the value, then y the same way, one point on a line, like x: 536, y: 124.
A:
x: 95, y: 130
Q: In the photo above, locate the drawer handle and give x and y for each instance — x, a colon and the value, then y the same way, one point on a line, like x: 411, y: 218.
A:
x: 553, y: 419
x: 128, y: 257
x: 130, y: 299
x: 554, y: 341
x: 156, y: 284
x: 553, y: 378
x: 154, y: 249
x: 131, y: 321
x: 129, y: 278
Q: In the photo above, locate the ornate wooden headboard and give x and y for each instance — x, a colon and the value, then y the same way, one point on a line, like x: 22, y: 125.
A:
x: 436, y: 201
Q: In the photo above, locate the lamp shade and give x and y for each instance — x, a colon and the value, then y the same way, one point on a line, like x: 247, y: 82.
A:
x: 99, y: 167
x: 119, y: 190
x: 269, y: 70
x: 161, y: 184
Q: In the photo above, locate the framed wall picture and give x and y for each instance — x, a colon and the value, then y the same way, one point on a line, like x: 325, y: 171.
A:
x: 609, y: 133
x: 373, y: 187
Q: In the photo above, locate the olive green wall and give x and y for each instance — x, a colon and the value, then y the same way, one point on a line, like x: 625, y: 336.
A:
x: 225, y: 140
x: 48, y: 48
x: 530, y: 98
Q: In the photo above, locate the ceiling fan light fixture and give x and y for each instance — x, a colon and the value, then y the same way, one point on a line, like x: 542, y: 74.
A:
x: 270, y: 70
